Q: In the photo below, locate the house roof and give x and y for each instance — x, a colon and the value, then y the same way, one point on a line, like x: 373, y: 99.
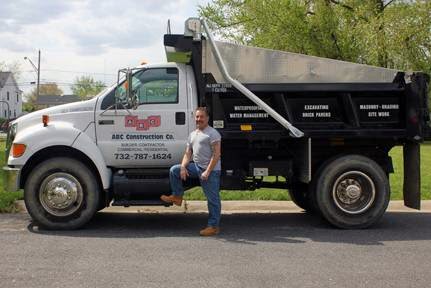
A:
x: 56, y: 99
x: 3, y: 78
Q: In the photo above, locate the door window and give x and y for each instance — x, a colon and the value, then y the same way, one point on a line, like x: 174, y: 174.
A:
x: 154, y: 86
x: 158, y: 85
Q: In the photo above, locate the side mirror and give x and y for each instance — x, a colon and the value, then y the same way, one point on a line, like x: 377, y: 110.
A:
x: 120, y: 95
x: 125, y: 96
x: 132, y: 95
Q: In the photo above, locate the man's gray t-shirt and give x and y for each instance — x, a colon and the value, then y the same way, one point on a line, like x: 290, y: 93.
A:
x: 200, y: 143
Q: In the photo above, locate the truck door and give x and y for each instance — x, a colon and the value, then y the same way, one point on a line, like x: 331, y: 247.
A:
x: 154, y: 134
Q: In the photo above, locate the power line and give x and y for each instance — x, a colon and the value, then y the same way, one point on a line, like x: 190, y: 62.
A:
x: 79, y: 72
x: 69, y: 71
x: 50, y: 82
x: 72, y: 84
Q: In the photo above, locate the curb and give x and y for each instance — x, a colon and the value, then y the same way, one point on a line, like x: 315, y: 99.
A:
x: 235, y: 207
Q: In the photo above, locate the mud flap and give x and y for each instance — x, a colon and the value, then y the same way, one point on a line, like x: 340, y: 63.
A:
x: 412, y: 175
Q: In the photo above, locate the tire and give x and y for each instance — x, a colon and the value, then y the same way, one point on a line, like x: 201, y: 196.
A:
x: 352, y: 192
x: 62, y: 194
x: 299, y: 195
x: 102, y: 202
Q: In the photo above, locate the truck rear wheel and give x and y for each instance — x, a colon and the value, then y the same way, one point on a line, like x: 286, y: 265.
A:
x: 304, y: 196
x: 301, y: 194
x: 61, y: 193
x: 352, y: 192
x: 298, y: 195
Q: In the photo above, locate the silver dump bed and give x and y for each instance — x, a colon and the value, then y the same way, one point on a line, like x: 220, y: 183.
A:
x: 257, y: 65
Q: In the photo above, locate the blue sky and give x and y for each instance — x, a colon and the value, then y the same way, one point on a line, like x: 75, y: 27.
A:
x: 87, y: 37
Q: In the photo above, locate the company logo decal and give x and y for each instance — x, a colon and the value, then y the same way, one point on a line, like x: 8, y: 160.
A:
x: 142, y: 124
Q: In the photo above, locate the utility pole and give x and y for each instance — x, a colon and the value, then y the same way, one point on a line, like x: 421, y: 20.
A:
x: 37, y: 69
x: 38, y: 74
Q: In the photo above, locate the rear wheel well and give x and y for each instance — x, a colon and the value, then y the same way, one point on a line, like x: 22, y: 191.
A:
x: 380, y: 156
x: 57, y: 151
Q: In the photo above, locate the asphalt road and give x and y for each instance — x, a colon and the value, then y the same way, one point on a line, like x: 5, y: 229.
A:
x: 253, y: 250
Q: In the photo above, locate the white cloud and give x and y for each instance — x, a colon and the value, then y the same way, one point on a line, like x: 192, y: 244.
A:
x: 87, y: 36
x: 16, y: 14
x: 13, y: 43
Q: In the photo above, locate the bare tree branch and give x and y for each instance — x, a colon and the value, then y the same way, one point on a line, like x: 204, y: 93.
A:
x: 227, y: 25
x: 334, y: 38
x: 341, y: 4
x: 350, y: 8
x: 387, y: 4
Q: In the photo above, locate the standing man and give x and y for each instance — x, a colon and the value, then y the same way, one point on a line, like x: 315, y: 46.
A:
x: 203, y: 147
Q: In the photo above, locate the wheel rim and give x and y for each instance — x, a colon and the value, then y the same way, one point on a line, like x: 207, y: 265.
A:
x: 354, y: 192
x: 60, y: 194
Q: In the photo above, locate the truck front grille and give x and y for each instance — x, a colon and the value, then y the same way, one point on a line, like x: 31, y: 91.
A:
x: 11, y: 133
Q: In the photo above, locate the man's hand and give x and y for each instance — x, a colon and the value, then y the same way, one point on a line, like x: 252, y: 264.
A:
x: 184, y: 173
x: 205, y: 175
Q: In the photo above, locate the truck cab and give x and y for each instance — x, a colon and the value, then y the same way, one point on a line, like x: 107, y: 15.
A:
x: 155, y: 132
x: 110, y: 138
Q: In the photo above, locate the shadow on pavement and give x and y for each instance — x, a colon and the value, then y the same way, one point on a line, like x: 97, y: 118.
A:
x: 252, y: 228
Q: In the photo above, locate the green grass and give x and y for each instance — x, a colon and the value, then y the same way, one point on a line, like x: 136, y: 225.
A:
x: 396, y: 180
x: 7, y: 198
x: 196, y: 193
x: 259, y: 194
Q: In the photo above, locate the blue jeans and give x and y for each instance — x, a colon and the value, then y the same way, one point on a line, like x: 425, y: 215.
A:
x: 211, y: 189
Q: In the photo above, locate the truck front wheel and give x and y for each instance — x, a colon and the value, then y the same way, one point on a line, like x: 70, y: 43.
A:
x: 352, y: 192
x: 61, y: 193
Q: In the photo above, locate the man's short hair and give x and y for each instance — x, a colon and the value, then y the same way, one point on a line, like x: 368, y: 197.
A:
x: 202, y: 109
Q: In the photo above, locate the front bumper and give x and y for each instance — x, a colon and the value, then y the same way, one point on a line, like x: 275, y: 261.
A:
x: 11, y: 179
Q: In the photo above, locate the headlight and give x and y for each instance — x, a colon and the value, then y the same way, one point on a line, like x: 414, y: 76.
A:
x: 11, y: 133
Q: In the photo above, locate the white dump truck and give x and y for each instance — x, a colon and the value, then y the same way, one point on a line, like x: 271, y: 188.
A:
x: 322, y: 127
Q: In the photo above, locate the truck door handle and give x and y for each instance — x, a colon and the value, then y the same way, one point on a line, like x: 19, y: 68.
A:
x: 180, y: 118
x: 106, y: 122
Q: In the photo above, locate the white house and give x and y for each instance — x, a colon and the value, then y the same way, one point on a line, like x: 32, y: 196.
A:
x: 10, y: 93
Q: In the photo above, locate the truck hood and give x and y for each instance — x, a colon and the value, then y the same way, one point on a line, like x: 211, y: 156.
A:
x: 79, y: 114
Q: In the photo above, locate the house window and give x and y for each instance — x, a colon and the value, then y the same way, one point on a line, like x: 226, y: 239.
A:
x: 7, y: 95
x: 5, y: 114
x: 17, y: 97
x: 10, y: 112
x: 14, y: 113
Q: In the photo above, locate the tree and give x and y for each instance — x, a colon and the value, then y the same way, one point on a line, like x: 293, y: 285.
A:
x: 86, y: 86
x: 387, y: 33
x: 13, y: 67
x: 44, y: 89
x: 28, y: 107
x: 47, y: 89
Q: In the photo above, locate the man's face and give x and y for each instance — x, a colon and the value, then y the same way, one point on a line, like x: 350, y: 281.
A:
x: 201, y: 119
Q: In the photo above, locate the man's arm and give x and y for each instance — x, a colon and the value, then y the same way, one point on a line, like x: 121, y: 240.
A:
x: 216, y: 148
x: 186, y: 159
